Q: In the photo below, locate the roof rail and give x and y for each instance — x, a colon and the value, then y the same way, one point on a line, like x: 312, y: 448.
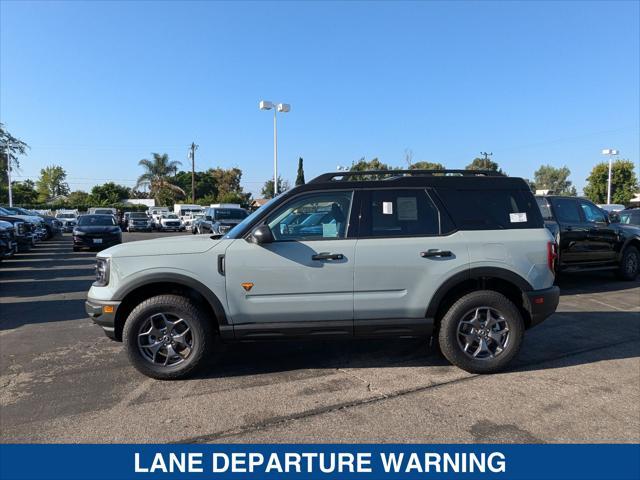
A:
x: 395, y: 174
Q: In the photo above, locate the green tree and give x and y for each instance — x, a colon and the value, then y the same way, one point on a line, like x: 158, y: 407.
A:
x: 10, y: 149
x: 624, y: 182
x: 300, y: 176
x: 227, y: 181
x: 483, y: 164
x: 556, y: 180
x: 363, y: 165
x: 24, y: 193
x: 267, y: 189
x: 108, y: 194
x: 77, y: 198
x: 157, y: 178
x: 426, y: 166
x: 52, y: 183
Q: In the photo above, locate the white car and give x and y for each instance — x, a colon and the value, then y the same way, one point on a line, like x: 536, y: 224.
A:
x: 170, y: 222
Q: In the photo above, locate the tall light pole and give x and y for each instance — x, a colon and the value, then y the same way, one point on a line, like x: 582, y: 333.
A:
x: 282, y: 108
x: 610, y: 152
x: 9, y: 178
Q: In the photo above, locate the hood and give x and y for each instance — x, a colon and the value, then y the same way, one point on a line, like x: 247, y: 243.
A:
x: 631, y: 229
x: 98, y: 229
x: 184, y: 244
x: 28, y: 218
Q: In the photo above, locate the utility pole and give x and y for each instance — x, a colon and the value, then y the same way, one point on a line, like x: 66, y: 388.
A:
x: 192, y: 155
x: 486, y: 155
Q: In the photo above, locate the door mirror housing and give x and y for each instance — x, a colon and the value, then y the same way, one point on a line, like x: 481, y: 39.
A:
x: 262, y: 234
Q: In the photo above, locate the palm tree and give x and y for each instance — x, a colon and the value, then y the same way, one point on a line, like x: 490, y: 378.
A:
x: 156, y: 176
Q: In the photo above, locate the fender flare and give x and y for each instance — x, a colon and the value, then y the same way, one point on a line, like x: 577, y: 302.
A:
x: 184, y: 280
x: 473, y: 274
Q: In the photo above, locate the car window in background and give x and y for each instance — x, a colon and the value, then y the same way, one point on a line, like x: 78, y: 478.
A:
x: 96, y: 221
x: 567, y: 210
x: 229, y: 213
x: 327, y: 218
x: 240, y: 227
x: 592, y: 213
x: 545, y: 208
x: 630, y: 218
x: 406, y: 212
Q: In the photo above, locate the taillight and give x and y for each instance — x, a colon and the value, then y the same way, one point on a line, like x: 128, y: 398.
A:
x: 552, y: 254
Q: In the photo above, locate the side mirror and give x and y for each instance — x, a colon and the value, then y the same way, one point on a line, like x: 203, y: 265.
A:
x: 262, y: 234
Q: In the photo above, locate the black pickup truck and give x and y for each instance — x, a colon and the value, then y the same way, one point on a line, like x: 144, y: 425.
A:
x: 587, y: 239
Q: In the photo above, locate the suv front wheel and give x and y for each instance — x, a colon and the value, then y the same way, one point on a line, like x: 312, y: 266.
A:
x: 481, y: 332
x: 168, y: 337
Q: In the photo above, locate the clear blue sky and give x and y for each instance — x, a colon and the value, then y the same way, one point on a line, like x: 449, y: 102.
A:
x: 95, y: 87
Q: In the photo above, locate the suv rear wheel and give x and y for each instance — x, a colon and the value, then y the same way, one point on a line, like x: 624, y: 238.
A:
x: 481, y: 332
x: 168, y: 337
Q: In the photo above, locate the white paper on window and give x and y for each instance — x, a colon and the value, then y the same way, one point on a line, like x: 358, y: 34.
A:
x: 329, y: 230
x: 387, y: 208
x: 518, y: 217
x: 407, y: 208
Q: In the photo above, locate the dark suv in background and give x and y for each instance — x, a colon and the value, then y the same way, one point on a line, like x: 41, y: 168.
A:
x: 587, y: 238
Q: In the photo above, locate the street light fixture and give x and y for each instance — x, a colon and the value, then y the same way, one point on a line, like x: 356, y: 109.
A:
x: 610, y: 152
x: 282, y: 108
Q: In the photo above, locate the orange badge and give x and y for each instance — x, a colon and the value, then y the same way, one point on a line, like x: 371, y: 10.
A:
x: 247, y: 286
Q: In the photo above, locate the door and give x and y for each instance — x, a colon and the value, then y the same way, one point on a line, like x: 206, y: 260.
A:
x: 573, y: 231
x: 601, y: 237
x: 405, y: 251
x: 304, y: 277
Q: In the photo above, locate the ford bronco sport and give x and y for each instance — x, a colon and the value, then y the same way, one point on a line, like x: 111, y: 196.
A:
x: 459, y: 255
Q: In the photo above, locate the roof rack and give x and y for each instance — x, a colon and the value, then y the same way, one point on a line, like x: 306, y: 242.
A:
x: 395, y: 174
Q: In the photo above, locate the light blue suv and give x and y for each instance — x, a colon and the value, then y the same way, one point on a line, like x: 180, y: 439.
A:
x: 459, y: 255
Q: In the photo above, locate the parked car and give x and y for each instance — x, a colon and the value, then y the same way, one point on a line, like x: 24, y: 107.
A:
x: 39, y: 231
x: 399, y: 257
x: 219, y: 220
x: 68, y: 219
x: 587, y: 239
x: 629, y: 217
x: 52, y: 225
x: 137, y: 221
x: 170, y: 221
x: 611, y: 207
x: 96, y: 232
x: 8, y: 242
x: 23, y: 231
x: 156, y: 214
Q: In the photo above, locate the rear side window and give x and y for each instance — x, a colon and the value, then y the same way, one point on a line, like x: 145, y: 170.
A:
x: 567, y: 210
x: 397, y: 213
x: 545, y: 208
x: 490, y: 209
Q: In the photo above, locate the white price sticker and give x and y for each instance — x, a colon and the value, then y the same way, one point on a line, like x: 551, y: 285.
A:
x: 518, y: 217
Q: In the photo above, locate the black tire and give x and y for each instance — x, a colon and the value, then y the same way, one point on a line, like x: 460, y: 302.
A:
x: 200, y: 326
x: 448, y: 335
x: 629, y: 264
x: 76, y: 249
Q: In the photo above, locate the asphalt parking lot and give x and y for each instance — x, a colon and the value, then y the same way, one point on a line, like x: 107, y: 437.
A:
x: 577, y: 378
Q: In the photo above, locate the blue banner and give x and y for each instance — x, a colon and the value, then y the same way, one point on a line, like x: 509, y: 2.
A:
x: 348, y: 461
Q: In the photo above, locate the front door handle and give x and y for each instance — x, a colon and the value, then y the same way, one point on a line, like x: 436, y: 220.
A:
x: 327, y: 256
x: 436, y: 253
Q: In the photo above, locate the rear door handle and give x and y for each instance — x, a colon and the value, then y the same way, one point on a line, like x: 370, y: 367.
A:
x: 436, y: 253
x: 327, y: 256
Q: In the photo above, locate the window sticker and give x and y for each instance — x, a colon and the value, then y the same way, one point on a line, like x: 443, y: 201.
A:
x: 329, y: 230
x: 407, y: 208
x: 518, y: 217
x: 387, y: 208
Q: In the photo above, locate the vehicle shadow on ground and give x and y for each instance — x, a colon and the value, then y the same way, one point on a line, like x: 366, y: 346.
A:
x: 574, y: 338
x: 593, y: 282
x: 39, y: 274
x: 14, y: 315
x: 28, y: 288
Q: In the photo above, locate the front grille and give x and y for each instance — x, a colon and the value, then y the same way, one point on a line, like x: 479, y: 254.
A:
x: 172, y: 224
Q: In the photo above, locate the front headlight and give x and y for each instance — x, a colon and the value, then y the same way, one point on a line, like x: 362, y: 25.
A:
x: 102, y: 272
x: 79, y: 233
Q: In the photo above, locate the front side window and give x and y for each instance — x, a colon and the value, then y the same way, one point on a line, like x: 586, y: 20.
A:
x: 567, y: 210
x: 317, y: 216
x: 394, y: 213
x: 592, y: 213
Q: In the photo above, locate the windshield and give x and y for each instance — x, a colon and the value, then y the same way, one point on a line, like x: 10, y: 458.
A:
x: 229, y: 213
x: 96, y: 221
x: 171, y: 216
x: 235, y: 231
x: 137, y: 215
x: 103, y: 212
x: 630, y: 218
x: 65, y: 215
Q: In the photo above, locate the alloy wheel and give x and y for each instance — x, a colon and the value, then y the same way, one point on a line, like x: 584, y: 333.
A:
x: 483, y: 333
x: 165, y: 339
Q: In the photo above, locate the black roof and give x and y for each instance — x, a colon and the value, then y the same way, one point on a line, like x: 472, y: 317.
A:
x: 466, y: 179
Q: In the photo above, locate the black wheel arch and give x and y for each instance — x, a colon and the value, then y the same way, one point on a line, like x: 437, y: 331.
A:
x: 135, y: 292
x: 501, y: 280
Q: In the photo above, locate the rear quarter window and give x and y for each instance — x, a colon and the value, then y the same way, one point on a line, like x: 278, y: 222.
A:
x: 491, y: 209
